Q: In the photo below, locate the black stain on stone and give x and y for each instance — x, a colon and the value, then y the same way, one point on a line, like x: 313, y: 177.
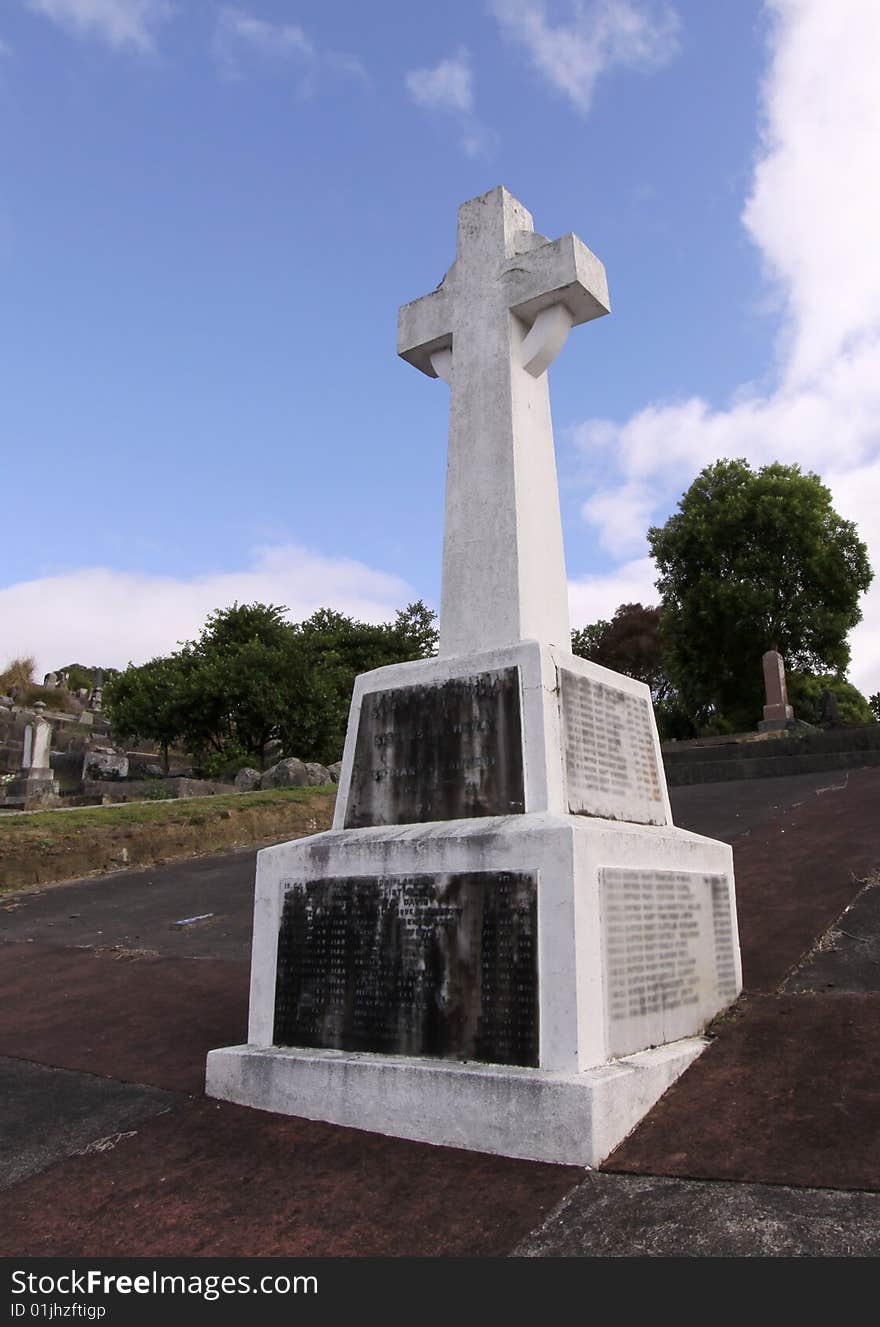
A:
x: 438, y: 965
x: 446, y: 751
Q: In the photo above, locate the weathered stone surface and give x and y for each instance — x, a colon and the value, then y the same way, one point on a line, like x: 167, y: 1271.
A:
x: 669, y: 954
x: 611, y: 763
x: 105, y: 765
x: 777, y: 711
x: 318, y: 774
x: 247, y: 779
x: 497, y: 319
x: 439, y: 752
x: 442, y: 965
x: 335, y: 770
x: 289, y: 773
x: 454, y: 772
x: 272, y: 752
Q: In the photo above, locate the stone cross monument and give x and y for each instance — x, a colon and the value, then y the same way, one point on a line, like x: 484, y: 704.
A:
x: 503, y: 943
x: 498, y: 319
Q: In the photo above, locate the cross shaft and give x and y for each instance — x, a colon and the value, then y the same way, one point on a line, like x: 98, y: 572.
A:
x: 498, y: 318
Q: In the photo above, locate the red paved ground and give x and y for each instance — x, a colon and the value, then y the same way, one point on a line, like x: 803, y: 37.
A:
x: 143, y: 1020
x: 216, y: 1180
x: 787, y: 1094
x: 796, y: 873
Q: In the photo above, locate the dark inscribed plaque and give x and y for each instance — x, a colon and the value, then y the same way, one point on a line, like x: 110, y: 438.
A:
x: 441, y: 965
x: 439, y: 752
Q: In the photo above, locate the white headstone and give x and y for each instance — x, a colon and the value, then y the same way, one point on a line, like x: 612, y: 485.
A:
x: 42, y: 745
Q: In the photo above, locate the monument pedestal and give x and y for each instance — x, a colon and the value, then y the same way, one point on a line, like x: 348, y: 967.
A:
x: 32, y: 788
x: 503, y: 943
x: 526, y: 978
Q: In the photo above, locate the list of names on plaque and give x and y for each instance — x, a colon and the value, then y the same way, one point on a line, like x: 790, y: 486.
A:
x: 666, y: 954
x: 611, y: 763
x: 725, y: 951
x: 442, y: 751
x: 441, y: 965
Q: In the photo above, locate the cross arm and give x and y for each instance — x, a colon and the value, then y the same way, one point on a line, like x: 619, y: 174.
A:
x: 561, y: 271
x: 425, y: 326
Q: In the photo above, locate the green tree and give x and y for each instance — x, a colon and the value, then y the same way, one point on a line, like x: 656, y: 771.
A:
x: 148, y: 702
x: 752, y: 561
x: 806, y: 694
x: 335, y: 650
x: 630, y: 643
x: 252, y: 677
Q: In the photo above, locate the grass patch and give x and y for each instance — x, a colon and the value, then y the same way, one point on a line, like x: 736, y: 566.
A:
x: 45, y: 847
x: 160, y: 811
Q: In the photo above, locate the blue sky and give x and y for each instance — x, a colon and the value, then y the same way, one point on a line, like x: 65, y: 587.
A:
x: 210, y: 213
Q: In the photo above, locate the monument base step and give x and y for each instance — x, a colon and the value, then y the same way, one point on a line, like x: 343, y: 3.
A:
x: 534, y: 1114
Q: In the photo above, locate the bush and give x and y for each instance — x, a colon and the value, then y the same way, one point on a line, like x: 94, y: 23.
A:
x: 806, y: 694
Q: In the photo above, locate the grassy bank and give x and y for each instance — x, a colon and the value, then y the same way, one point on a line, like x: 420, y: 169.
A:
x: 49, y: 846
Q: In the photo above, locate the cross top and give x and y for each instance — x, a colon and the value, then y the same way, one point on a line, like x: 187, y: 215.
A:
x: 491, y: 328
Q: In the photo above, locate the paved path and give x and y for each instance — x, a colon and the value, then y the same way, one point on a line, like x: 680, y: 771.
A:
x: 768, y: 1145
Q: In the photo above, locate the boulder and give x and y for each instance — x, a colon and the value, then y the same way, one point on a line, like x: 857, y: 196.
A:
x: 318, y: 774
x: 247, y: 780
x: 289, y: 773
x: 273, y: 752
x: 335, y: 770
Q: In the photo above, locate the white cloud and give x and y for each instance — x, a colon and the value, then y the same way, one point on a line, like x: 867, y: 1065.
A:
x: 240, y: 37
x: 593, y: 597
x: 119, y: 22
x: 639, y: 34
x: 446, y: 87
x: 814, y: 212
x: 98, y: 616
x: 814, y: 208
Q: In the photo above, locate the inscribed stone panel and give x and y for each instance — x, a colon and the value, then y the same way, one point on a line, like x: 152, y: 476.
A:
x: 668, y: 952
x: 442, y: 751
x: 611, y: 765
x: 441, y: 965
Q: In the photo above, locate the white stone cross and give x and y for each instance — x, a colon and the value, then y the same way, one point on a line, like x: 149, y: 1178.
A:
x: 491, y: 328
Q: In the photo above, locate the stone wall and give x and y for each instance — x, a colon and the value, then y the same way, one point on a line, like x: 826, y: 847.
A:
x: 139, y: 790
x: 712, y: 761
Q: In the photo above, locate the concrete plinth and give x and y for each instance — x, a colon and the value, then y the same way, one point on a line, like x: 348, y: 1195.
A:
x: 636, y: 952
x: 32, y: 789
x: 538, y: 1115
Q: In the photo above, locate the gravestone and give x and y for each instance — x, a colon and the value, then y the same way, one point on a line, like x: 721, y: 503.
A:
x: 777, y: 711
x: 503, y: 943
x: 34, y: 785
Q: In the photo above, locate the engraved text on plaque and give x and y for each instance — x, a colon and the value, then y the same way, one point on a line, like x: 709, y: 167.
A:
x: 442, y: 751
x: 611, y: 767
x: 442, y: 965
x: 669, y: 954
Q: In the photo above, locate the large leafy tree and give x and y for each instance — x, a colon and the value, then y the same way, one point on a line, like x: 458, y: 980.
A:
x: 335, y: 649
x: 753, y: 561
x: 630, y: 643
x: 253, y: 676
x: 148, y: 702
